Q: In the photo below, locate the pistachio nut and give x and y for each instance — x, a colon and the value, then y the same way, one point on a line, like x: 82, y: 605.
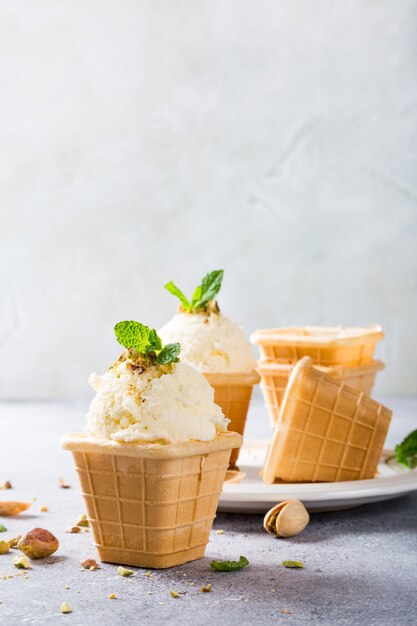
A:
x: 286, y: 519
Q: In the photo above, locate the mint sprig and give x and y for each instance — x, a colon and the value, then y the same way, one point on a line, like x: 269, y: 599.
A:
x: 406, y: 451
x: 230, y: 566
x: 203, y: 293
x: 146, y: 341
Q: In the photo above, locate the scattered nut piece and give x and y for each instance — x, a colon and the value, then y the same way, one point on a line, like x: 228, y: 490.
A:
x: 43, y: 509
x: 286, y: 519
x: 219, y: 532
x: 192, y: 584
x: 4, y: 547
x: 73, y: 529
x: 148, y: 574
x: 293, y: 564
x: 3, y: 529
x: 286, y: 612
x: 174, y: 594
x: 82, y: 521
x: 63, y: 484
x: 90, y: 564
x: 6, y: 485
x: 206, y: 588
x: 112, y: 596
x: 125, y: 572
x: 65, y: 608
x: 13, y: 508
x: 38, y: 543
x: 14, y: 541
x: 21, y: 562
x: 67, y: 587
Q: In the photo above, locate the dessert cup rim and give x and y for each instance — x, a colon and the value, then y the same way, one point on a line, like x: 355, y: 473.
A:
x: 233, y: 378
x: 82, y: 442
x: 316, y: 335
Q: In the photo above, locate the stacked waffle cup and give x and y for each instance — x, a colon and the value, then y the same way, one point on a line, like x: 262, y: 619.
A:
x: 326, y: 430
x: 345, y: 354
x: 233, y: 392
x: 149, y: 504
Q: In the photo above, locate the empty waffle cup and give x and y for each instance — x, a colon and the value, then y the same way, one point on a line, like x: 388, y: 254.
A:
x: 326, y: 431
x: 233, y: 392
x: 151, y: 505
x: 275, y: 376
x: 325, y: 345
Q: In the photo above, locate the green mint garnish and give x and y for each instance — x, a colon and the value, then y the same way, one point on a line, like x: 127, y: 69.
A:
x: 135, y: 335
x: 203, y: 294
x: 3, y: 529
x: 169, y: 354
x: 230, y: 566
x: 406, y: 451
x: 293, y: 564
x: 145, y: 341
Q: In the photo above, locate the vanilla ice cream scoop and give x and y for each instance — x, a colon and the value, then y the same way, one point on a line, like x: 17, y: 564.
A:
x: 163, y: 403
x: 210, y: 341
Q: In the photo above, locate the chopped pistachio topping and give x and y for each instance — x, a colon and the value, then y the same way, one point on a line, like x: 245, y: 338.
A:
x: 4, y: 547
x: 174, y: 594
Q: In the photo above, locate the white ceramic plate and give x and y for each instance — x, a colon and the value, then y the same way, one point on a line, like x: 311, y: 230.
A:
x: 251, y: 495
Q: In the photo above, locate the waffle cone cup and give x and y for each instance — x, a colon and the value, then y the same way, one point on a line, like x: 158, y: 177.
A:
x: 275, y: 376
x: 149, y: 504
x: 233, y: 392
x: 327, y: 346
x: 326, y: 431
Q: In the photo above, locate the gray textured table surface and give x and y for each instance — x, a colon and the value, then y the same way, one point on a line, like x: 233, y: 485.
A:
x: 360, y: 565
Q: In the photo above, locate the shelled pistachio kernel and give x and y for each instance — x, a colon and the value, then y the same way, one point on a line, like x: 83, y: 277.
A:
x: 286, y: 519
x: 65, y: 608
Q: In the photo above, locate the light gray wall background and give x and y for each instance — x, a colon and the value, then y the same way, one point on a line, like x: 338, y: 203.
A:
x: 142, y: 141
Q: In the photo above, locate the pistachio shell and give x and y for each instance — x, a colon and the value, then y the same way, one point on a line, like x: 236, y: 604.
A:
x: 271, y: 516
x: 286, y: 519
x: 13, y: 508
x: 292, y: 519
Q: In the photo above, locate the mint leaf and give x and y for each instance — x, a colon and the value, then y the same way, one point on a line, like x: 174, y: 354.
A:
x: 293, y: 564
x: 230, y: 566
x: 133, y: 335
x: 208, y: 290
x: 169, y: 354
x: 406, y: 451
x: 178, y: 294
x: 155, y: 342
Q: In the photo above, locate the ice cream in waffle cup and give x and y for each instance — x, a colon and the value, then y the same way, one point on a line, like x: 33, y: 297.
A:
x: 327, y: 346
x: 275, y: 376
x: 233, y: 392
x: 326, y: 431
x: 151, y: 504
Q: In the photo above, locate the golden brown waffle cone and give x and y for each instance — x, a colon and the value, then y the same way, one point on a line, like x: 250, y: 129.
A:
x: 233, y: 392
x: 326, y: 431
x: 327, y: 346
x: 151, y: 505
x: 275, y: 376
